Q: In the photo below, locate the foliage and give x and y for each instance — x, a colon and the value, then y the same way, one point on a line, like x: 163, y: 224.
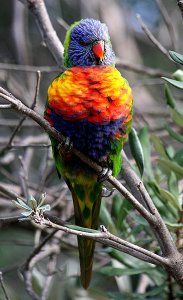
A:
x: 161, y: 166
x: 32, y: 206
x: 163, y: 180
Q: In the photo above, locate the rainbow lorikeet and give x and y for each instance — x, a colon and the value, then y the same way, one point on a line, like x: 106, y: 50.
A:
x: 91, y: 104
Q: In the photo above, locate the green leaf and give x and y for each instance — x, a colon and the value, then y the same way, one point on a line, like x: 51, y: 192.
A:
x: 166, y: 208
x: 41, y: 200
x: 178, y: 157
x: 174, y: 225
x: 169, y: 98
x: 178, y: 58
x: 26, y: 213
x: 173, y: 185
x: 21, y: 204
x: 45, y: 207
x: 146, y: 146
x: 111, y: 271
x: 128, y: 261
x: 177, y: 117
x: 136, y: 150
x: 154, y: 291
x: 138, y: 219
x: 33, y: 203
x: 178, y: 75
x: 106, y: 218
x: 75, y: 227
x: 158, y: 145
x: 169, y: 197
x: 116, y: 205
x: 176, y: 83
x: 177, y: 136
x: 169, y: 166
x: 124, y: 210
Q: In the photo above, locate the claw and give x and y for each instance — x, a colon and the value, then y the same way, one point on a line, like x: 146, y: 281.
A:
x: 106, y: 192
x: 66, y: 145
x: 104, y: 174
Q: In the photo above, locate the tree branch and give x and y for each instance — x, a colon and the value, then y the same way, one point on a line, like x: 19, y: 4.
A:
x: 129, y: 66
x: 151, y: 36
x: 152, y: 216
x: 3, y: 287
x: 18, y: 105
x: 168, y: 22
x: 173, y: 258
x: 50, y: 38
x: 106, y: 238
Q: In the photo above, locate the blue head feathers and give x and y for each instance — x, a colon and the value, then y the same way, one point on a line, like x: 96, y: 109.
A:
x: 87, y: 43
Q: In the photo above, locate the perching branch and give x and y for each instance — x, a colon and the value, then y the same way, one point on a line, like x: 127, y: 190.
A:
x: 149, y: 211
x: 18, y: 105
x: 143, y: 203
x: 108, y: 239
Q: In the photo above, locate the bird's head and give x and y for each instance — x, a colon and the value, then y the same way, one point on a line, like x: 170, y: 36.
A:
x: 87, y: 43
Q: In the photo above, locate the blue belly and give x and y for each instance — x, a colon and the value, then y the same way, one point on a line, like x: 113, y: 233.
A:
x: 94, y: 139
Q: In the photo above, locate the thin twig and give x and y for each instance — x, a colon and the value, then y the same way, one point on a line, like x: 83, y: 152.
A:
x: 48, y: 33
x: 35, y: 257
x: 141, y: 69
x: 63, y: 23
x: 38, y: 249
x: 38, y: 73
x: 153, y: 219
x: 8, y: 220
x: 3, y: 287
x: 168, y: 22
x: 18, y: 127
x: 27, y: 68
x: 21, y: 107
x: 127, y: 65
x: 151, y: 36
x: 11, y: 194
x: 52, y: 263
x: 108, y: 239
x: 16, y: 146
x: 23, y: 178
x: 28, y: 285
x: 5, y: 106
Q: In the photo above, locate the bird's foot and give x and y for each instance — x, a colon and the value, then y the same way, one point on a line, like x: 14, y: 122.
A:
x: 107, y: 192
x: 104, y: 174
x: 66, y: 145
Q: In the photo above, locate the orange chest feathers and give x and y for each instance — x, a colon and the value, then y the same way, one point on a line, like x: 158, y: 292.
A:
x: 97, y: 94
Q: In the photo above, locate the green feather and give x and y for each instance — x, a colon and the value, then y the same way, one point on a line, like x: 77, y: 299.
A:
x: 86, y: 209
x: 67, y: 62
x: 86, y: 193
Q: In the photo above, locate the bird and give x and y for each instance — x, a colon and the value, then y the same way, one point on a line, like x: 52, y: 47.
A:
x: 91, y: 104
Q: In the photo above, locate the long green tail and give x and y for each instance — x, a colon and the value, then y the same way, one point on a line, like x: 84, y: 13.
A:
x: 87, y: 202
x: 86, y: 194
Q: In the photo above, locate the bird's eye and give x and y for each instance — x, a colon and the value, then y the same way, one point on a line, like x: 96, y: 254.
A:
x: 82, y: 43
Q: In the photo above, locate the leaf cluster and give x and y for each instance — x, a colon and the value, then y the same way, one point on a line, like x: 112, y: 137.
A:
x: 32, y: 206
x: 160, y: 163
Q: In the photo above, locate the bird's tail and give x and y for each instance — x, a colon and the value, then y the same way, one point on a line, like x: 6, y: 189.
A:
x: 86, y: 207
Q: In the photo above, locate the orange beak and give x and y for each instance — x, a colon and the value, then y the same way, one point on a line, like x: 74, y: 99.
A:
x: 98, y: 50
